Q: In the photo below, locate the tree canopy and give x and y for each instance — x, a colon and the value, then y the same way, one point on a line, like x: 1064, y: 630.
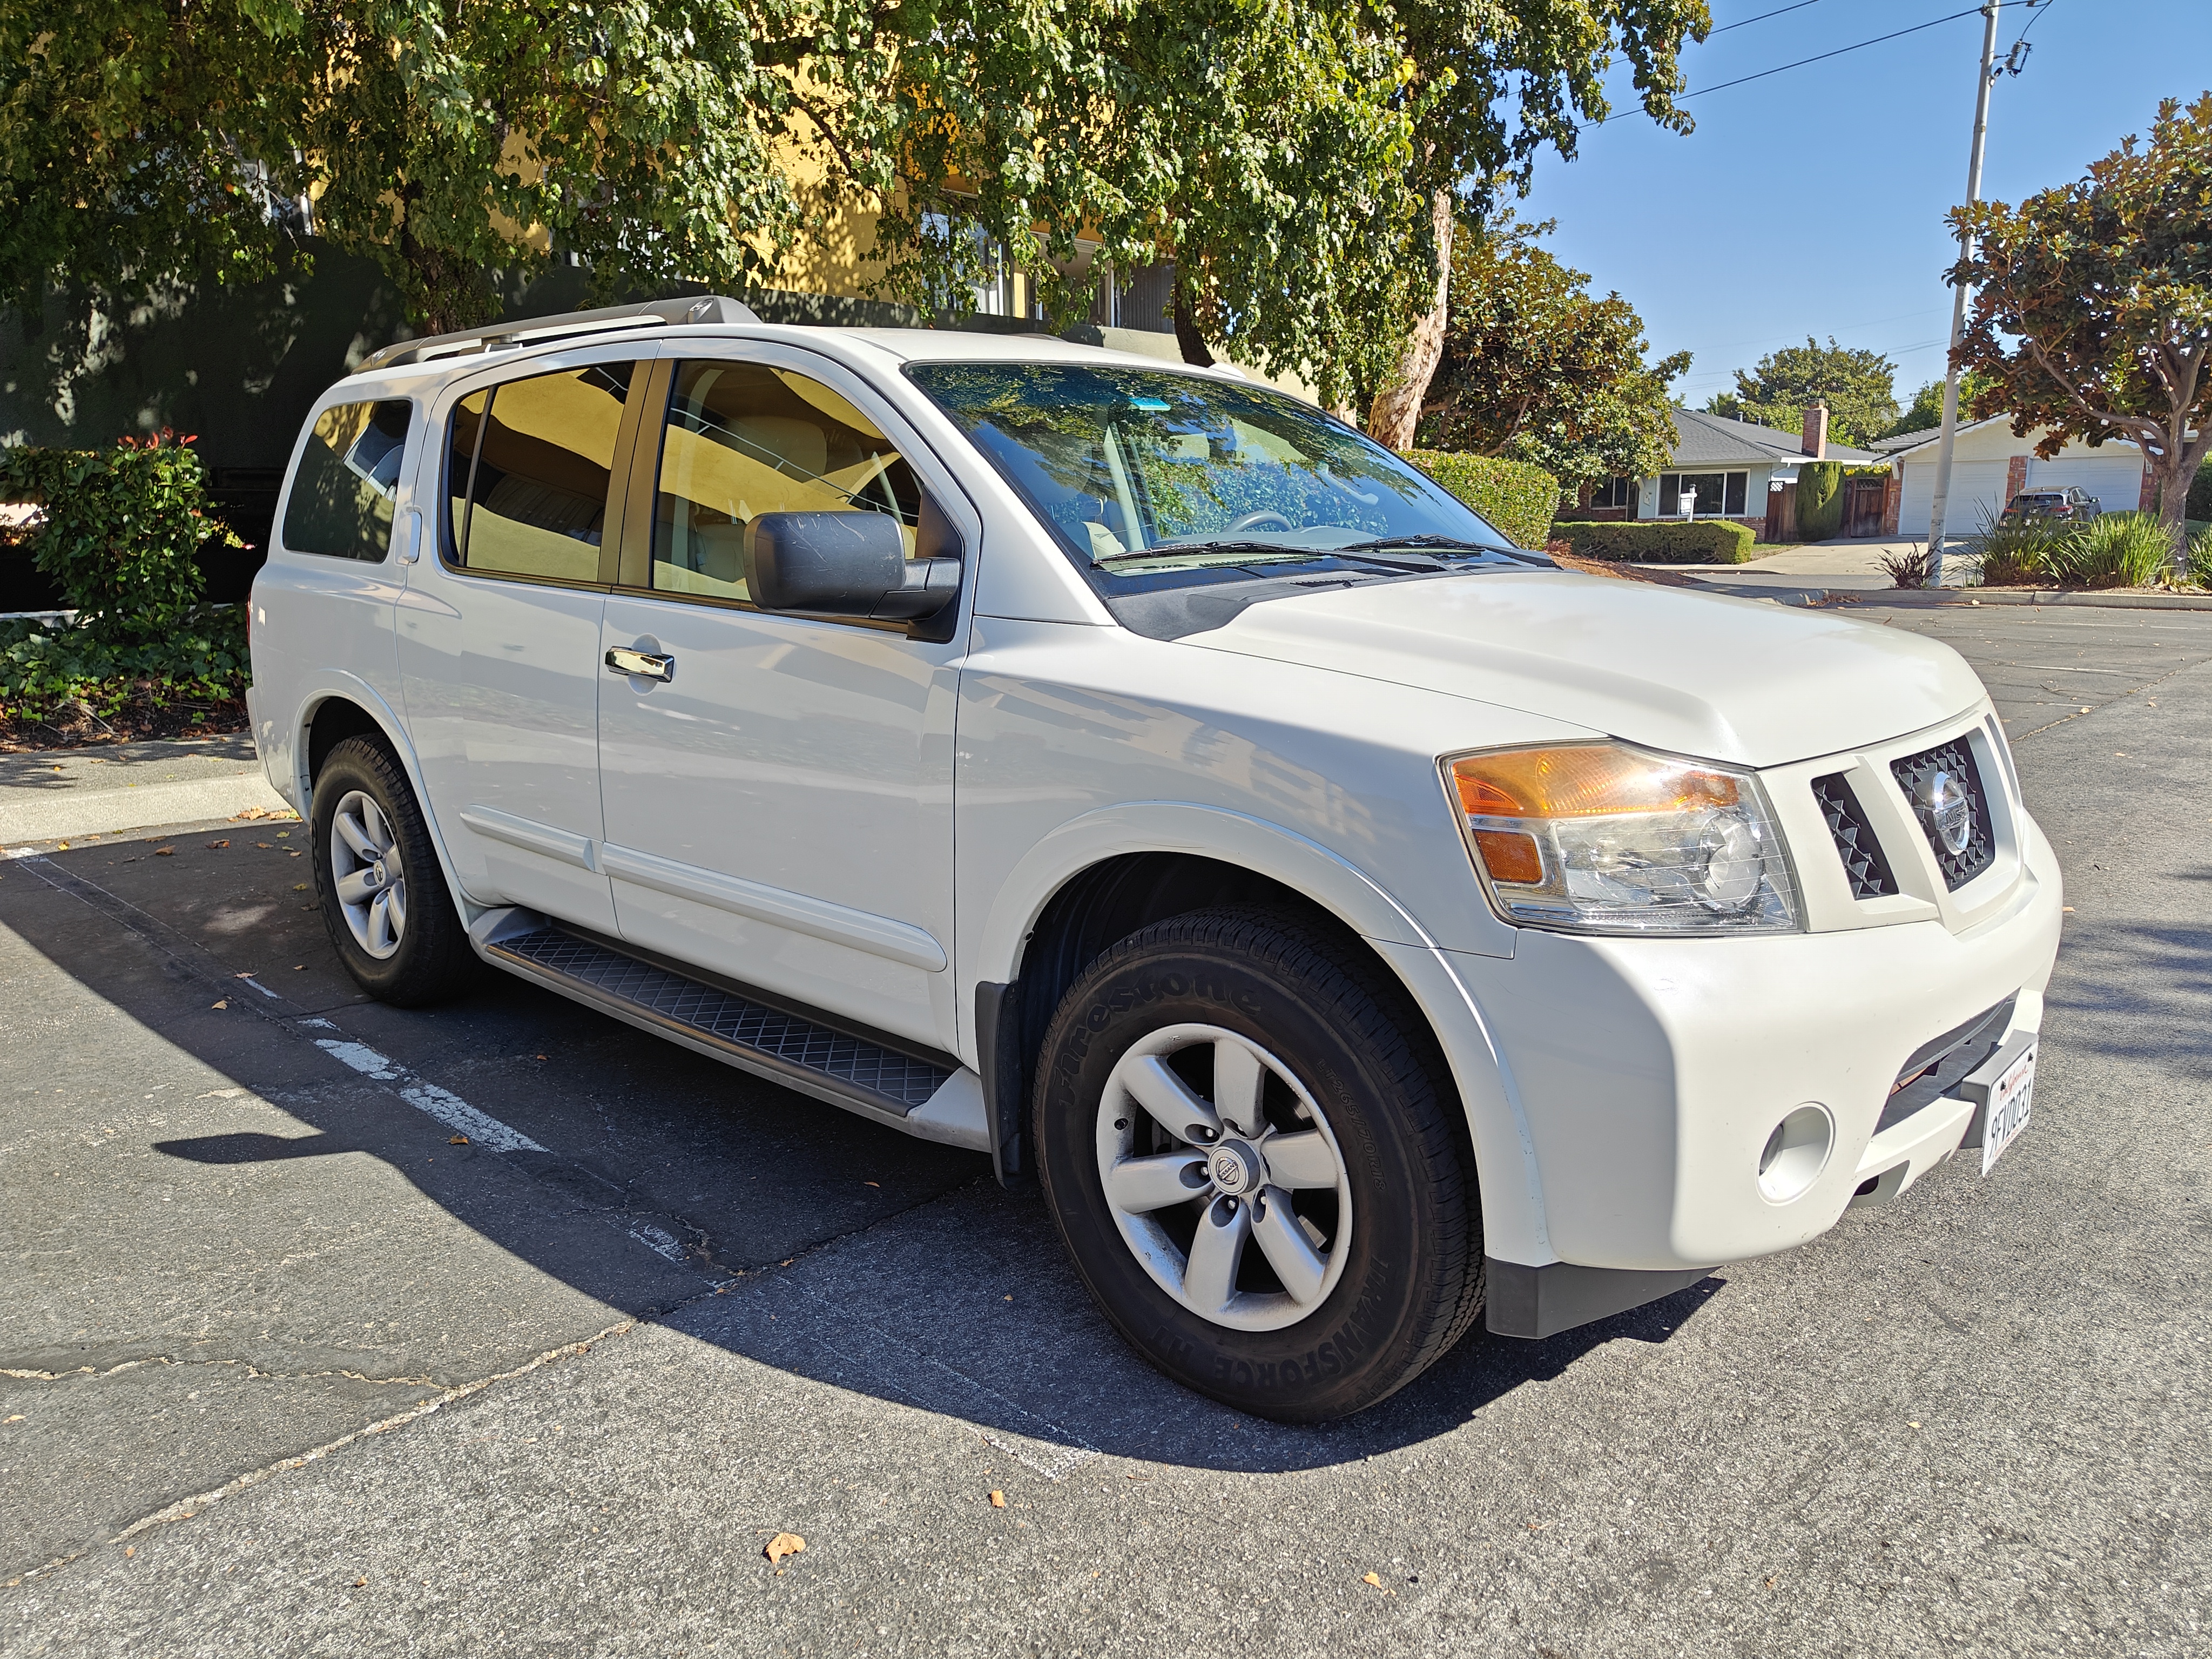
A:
x: 1858, y: 386
x: 2092, y: 313
x: 1287, y: 157
x: 1925, y: 412
x: 1536, y: 369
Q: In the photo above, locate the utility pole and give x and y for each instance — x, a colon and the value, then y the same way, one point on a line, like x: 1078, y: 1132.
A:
x: 1959, y: 298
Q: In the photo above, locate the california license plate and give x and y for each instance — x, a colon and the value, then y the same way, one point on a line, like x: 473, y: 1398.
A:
x: 2012, y: 1096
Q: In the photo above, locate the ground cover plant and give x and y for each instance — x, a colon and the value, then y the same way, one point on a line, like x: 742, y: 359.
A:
x: 2118, y: 550
x: 117, y: 530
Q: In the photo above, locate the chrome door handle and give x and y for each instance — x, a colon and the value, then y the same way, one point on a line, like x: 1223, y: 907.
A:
x: 652, y: 665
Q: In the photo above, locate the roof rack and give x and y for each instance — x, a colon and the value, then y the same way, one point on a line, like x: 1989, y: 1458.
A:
x: 701, y: 308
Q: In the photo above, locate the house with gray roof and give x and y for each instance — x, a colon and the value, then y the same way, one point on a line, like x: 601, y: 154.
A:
x: 1724, y: 469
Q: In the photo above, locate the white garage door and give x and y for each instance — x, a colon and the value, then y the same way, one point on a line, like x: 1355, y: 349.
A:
x: 1977, y: 487
x: 2115, y: 480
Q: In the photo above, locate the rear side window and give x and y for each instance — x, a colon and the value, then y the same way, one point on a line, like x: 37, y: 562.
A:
x: 530, y: 464
x: 349, y: 478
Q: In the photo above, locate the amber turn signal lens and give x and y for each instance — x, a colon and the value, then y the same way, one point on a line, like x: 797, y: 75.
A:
x: 1583, y: 780
x: 1509, y: 855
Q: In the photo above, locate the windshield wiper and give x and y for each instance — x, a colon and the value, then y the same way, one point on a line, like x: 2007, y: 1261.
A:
x: 1356, y: 554
x: 1442, y: 544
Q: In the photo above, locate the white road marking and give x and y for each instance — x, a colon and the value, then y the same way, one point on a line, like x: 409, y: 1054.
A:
x: 448, y: 1108
x: 659, y: 1242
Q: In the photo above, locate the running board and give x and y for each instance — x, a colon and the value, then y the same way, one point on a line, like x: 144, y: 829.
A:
x: 924, y: 1098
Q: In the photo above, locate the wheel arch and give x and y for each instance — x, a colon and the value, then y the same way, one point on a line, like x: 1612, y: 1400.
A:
x: 1100, y: 877
x: 348, y: 708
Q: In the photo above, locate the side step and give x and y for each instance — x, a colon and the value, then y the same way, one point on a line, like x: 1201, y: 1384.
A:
x: 845, y: 1070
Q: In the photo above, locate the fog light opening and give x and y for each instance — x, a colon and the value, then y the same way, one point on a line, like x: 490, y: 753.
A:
x: 1795, y: 1154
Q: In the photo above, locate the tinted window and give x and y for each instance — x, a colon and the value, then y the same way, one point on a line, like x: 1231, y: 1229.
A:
x: 348, y: 476
x: 744, y: 439
x: 531, y: 464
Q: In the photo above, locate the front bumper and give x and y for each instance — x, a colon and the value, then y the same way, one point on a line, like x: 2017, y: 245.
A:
x: 1651, y: 1073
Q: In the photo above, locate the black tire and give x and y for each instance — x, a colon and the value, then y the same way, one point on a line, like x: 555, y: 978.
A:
x: 433, y: 960
x: 1412, y: 1279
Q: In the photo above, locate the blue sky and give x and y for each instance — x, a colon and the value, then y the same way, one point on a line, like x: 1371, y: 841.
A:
x: 1813, y: 200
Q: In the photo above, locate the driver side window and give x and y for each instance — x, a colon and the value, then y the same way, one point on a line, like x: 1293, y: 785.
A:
x: 745, y: 439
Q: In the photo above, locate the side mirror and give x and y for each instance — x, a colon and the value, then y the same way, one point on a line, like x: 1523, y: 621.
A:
x: 843, y: 564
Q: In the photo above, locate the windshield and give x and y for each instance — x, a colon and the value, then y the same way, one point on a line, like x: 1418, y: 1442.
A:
x: 1153, y: 478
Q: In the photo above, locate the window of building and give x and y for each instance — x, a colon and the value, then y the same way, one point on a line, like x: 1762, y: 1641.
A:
x: 1718, y: 495
x: 348, y: 478
x: 531, y: 464
x: 1614, y: 492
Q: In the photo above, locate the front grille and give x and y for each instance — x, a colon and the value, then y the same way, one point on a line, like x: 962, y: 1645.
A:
x: 1863, y: 864
x: 1918, y: 776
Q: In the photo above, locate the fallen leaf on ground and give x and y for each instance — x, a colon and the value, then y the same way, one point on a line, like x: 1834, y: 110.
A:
x: 358, y: 1583
x: 17, y: 1418
x: 299, y: 886
x: 218, y: 844
x: 457, y: 1140
x: 225, y: 1003
x: 1369, y: 1578
x: 998, y: 1500
x: 783, y: 1544
x: 165, y: 852
x: 64, y: 848
x: 877, y: 1185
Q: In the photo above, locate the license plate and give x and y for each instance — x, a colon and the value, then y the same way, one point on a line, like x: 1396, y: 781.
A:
x: 2011, y: 1098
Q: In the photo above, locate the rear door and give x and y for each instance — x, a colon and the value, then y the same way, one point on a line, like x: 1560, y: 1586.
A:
x: 780, y: 809
x: 499, y: 632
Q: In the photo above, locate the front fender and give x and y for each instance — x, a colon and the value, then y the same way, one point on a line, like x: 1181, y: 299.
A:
x: 1512, y: 1195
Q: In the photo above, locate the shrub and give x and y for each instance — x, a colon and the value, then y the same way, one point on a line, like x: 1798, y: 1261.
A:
x: 2200, y: 494
x: 1906, y: 569
x: 1518, y: 498
x: 2014, y: 553
x: 2118, y: 550
x: 2200, y: 556
x: 1819, y: 500
x: 1664, y: 541
x: 118, y: 531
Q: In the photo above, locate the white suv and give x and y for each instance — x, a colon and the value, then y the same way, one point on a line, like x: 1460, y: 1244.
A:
x: 1352, y: 919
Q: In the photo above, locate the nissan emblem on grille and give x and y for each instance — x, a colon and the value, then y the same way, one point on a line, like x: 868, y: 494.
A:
x: 1944, y: 786
x: 1950, y: 809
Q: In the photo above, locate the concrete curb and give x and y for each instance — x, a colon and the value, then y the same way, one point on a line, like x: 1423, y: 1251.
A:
x: 1964, y: 598
x: 148, y: 805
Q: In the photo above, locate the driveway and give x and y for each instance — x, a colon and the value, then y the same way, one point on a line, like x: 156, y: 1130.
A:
x: 289, y: 1368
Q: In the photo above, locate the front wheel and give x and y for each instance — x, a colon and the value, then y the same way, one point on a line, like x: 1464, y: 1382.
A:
x: 384, y: 897
x: 1242, y: 1134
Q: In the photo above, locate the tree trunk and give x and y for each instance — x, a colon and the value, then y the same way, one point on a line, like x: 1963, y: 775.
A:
x: 1193, y: 344
x: 1397, y: 409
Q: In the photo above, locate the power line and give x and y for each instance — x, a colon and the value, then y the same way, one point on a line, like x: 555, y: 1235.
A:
x: 1761, y: 18
x: 1817, y: 58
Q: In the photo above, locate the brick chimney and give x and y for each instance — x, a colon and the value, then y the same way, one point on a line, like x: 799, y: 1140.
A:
x: 1816, y: 442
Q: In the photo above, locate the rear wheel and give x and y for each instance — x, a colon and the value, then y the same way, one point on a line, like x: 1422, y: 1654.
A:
x: 1243, y: 1138
x: 384, y: 898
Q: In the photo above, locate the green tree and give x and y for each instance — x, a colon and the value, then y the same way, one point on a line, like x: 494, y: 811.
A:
x: 1489, y: 84
x: 1925, y: 412
x: 2092, y: 312
x: 1859, y: 387
x: 1536, y: 369
x: 143, y: 142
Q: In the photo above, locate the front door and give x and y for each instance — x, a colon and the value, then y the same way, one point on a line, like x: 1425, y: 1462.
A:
x: 779, y: 809
x: 499, y: 633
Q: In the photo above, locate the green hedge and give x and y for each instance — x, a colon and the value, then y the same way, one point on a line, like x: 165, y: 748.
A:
x: 1819, y: 500
x: 1518, y: 498
x: 1662, y: 541
x: 2200, y: 494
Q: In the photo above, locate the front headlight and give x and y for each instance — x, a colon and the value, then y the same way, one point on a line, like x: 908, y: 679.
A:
x: 1600, y: 838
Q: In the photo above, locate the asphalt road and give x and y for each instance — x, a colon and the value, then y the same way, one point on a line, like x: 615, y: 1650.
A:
x: 285, y: 1369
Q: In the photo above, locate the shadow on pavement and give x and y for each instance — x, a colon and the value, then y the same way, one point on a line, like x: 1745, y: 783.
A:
x: 941, y: 1293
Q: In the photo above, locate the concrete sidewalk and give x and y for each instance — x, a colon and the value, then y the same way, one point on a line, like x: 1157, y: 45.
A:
x: 54, y: 793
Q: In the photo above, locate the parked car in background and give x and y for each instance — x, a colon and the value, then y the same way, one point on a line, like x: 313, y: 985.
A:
x: 2071, y: 505
x: 1357, y: 925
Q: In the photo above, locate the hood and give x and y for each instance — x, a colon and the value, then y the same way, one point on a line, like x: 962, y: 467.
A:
x: 1746, y: 681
